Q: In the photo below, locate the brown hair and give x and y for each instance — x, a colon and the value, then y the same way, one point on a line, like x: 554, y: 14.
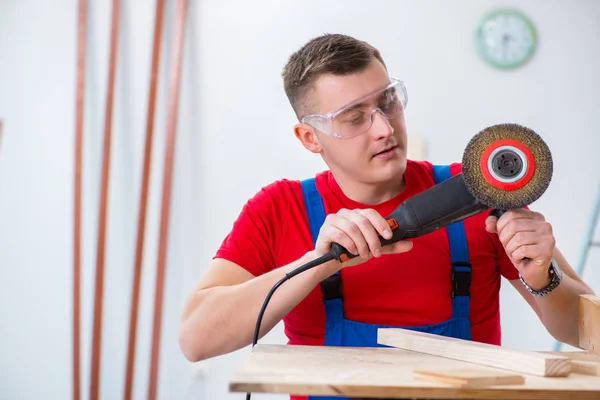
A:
x: 327, y: 54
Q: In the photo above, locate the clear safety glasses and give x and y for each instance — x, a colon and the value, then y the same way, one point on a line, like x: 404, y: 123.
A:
x: 356, y: 118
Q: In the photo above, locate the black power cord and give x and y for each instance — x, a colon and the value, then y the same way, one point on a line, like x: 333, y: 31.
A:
x: 335, y: 253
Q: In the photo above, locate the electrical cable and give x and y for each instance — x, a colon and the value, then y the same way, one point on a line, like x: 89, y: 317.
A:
x: 311, y: 264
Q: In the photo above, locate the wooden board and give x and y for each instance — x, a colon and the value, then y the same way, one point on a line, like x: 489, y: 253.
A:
x: 384, y: 373
x: 589, y: 323
x: 586, y: 368
x: 478, y: 353
x: 469, y: 377
x: 582, y: 362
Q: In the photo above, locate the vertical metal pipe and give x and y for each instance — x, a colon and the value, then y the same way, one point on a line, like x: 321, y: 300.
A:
x: 143, y: 201
x: 174, y: 80
x: 102, y: 216
x: 79, y: 108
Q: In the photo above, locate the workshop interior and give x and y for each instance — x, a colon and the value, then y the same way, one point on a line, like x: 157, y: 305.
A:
x: 132, y: 134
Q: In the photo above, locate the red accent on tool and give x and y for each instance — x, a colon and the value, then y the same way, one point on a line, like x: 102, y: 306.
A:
x: 483, y: 164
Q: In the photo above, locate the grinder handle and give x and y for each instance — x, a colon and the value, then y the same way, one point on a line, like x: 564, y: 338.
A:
x: 497, y: 213
x: 341, y: 254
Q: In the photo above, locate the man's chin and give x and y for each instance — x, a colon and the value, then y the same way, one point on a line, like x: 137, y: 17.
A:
x: 391, y: 172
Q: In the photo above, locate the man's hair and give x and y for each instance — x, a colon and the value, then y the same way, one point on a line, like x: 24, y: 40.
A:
x: 327, y: 54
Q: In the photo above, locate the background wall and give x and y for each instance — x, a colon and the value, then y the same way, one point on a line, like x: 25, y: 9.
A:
x: 234, y: 136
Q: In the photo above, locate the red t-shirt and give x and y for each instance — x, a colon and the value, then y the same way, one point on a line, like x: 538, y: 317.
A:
x: 411, y: 288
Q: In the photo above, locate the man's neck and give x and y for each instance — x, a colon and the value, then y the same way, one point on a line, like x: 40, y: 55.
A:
x: 371, y: 193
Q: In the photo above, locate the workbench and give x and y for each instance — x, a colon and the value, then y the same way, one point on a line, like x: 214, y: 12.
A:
x: 417, y: 365
x: 388, y: 373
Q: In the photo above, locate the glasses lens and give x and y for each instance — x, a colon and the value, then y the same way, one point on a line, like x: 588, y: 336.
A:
x: 357, y: 118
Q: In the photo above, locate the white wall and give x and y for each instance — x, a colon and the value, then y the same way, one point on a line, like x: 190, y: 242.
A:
x: 235, y: 136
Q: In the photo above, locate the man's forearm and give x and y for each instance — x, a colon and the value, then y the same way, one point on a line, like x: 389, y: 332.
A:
x: 560, y: 310
x: 224, y: 318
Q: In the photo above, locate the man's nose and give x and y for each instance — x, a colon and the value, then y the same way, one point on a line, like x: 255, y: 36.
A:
x: 380, y: 125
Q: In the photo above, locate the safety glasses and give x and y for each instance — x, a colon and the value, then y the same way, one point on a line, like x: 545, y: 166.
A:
x: 356, y: 118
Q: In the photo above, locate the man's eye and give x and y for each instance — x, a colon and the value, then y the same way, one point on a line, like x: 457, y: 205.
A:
x: 355, y: 119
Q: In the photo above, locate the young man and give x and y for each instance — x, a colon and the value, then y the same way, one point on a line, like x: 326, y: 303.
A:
x: 351, y: 112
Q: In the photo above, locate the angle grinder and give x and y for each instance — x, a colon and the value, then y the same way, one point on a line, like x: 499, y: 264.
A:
x: 505, y: 166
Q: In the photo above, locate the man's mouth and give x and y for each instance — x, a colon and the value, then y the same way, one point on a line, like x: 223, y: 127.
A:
x: 387, y: 152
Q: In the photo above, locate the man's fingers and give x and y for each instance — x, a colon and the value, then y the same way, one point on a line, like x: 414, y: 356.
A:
x: 379, y: 223
x: 520, y: 239
x: 351, y: 228
x: 531, y: 251
x: 401, y: 246
x: 368, y: 232
x: 514, y: 226
x: 491, y: 224
x: 518, y: 214
x: 360, y: 232
x: 332, y: 234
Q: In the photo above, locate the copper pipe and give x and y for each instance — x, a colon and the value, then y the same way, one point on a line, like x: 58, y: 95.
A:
x: 99, y: 280
x: 79, y: 97
x: 174, y: 79
x: 137, y: 271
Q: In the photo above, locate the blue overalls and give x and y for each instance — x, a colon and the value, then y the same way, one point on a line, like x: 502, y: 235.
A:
x: 343, y: 332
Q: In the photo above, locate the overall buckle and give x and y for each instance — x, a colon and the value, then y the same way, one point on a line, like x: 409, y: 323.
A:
x: 332, y: 287
x: 461, y: 279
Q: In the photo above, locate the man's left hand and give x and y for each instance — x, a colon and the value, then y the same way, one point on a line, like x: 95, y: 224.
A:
x: 528, y: 241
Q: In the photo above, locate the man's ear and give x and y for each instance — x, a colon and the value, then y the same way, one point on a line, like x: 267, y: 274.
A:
x: 308, y: 137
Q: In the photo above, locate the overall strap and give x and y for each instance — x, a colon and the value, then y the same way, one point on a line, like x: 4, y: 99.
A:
x: 314, y: 207
x: 330, y: 287
x: 459, y: 253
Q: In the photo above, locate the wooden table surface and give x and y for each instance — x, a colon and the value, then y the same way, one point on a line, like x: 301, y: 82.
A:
x: 387, y: 373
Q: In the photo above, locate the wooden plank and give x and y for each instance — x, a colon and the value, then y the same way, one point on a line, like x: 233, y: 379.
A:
x: 470, y: 377
x: 384, y: 373
x: 589, y: 323
x: 586, y: 368
x: 525, y: 362
x: 582, y: 362
x: 579, y: 355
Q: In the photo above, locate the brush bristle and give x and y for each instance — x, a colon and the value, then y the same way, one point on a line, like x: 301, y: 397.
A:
x: 499, y: 198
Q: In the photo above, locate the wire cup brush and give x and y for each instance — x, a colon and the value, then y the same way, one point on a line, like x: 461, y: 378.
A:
x: 507, y: 166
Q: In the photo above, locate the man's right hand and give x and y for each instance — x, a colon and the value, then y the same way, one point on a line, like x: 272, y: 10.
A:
x: 358, y: 231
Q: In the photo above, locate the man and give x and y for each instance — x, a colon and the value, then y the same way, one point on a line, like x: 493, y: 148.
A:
x: 351, y: 112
